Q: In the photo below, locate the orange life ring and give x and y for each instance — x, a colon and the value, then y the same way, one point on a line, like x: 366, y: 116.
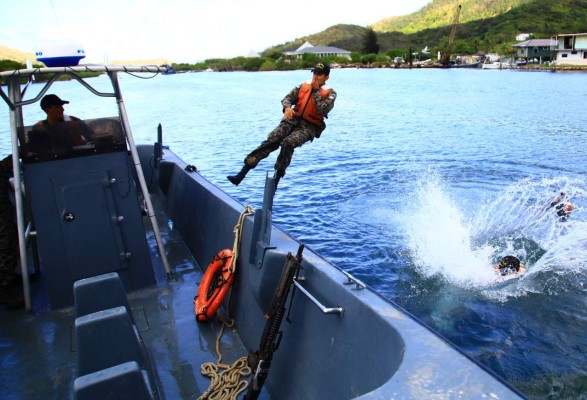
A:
x: 214, y: 286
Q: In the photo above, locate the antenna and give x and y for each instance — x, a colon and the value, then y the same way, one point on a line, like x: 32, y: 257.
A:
x: 56, y: 18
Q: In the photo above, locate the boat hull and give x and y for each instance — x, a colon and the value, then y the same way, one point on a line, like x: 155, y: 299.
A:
x: 470, y: 65
x: 495, y: 65
x: 373, y: 350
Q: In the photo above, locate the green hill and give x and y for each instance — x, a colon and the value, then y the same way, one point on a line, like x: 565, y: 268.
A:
x: 343, y: 36
x: 7, y: 53
x: 484, y: 25
x: 440, y: 13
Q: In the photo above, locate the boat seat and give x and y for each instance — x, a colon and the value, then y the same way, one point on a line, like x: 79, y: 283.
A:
x: 89, y: 294
x: 108, y: 338
x: 120, y: 382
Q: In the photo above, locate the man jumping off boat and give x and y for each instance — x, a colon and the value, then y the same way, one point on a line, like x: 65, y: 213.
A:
x: 304, y: 109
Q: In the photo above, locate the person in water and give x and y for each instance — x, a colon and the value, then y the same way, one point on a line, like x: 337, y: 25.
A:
x: 304, y: 109
x: 509, y: 265
x: 562, y: 205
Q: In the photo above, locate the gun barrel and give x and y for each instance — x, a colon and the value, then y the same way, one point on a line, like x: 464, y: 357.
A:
x: 299, y: 254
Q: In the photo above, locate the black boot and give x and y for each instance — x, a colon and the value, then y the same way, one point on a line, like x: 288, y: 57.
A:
x: 236, y: 179
x: 277, y: 176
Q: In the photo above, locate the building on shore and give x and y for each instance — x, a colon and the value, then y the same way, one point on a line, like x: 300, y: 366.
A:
x: 571, y: 49
x: 536, y: 50
x: 320, y: 51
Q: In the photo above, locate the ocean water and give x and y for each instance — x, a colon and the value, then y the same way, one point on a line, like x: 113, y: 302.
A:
x: 422, y: 180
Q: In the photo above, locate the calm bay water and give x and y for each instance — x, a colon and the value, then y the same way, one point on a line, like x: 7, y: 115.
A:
x: 421, y: 181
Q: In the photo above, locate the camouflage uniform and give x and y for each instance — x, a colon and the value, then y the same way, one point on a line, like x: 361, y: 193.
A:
x: 8, y: 231
x: 291, y: 133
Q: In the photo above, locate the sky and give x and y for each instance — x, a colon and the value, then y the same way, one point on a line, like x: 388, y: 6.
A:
x: 181, y: 30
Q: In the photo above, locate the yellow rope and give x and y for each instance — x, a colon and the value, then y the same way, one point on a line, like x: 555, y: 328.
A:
x: 227, y: 384
x: 238, y: 230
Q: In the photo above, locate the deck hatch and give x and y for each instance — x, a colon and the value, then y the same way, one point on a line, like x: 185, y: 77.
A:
x: 88, y: 210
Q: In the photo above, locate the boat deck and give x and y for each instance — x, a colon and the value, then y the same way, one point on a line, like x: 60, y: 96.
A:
x: 38, y: 348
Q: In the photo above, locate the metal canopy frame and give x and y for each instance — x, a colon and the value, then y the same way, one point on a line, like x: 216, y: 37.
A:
x: 15, y: 102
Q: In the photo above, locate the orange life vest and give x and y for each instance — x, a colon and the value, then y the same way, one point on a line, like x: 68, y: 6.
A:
x: 306, y: 105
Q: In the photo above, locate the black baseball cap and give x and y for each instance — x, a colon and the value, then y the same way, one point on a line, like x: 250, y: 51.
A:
x: 321, y: 69
x: 52, y: 100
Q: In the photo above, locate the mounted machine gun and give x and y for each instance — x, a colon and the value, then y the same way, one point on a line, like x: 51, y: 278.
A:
x: 260, y: 361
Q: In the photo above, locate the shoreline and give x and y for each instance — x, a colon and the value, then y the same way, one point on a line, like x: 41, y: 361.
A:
x: 565, y: 68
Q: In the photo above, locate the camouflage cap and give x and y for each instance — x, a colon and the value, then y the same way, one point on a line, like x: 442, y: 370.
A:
x: 321, y: 69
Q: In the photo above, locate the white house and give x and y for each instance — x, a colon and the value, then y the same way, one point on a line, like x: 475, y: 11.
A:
x: 572, y: 49
x: 320, y: 51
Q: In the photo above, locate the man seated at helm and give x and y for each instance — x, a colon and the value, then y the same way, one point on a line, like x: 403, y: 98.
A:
x: 509, y: 265
x: 65, y: 130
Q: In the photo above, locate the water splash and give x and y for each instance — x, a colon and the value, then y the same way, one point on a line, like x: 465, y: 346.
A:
x: 523, y: 210
x: 441, y: 241
x: 461, y: 250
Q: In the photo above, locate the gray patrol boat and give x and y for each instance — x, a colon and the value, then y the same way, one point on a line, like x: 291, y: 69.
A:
x: 111, y: 315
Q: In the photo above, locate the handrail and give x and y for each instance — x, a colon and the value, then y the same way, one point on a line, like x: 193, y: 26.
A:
x: 70, y: 71
x: 325, y: 310
x: 15, y: 113
x: 84, y: 68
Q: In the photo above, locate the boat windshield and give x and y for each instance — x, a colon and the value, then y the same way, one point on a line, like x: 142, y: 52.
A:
x: 44, y: 142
